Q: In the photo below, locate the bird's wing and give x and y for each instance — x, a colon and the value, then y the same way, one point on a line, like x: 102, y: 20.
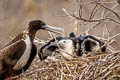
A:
x: 17, y: 38
x: 47, y: 49
x: 41, y: 53
x: 11, y: 49
x: 32, y: 56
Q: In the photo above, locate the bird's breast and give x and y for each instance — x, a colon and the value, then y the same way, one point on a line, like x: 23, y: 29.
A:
x: 68, y: 53
x: 25, y: 57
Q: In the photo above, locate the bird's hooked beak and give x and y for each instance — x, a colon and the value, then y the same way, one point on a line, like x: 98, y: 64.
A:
x: 53, y: 29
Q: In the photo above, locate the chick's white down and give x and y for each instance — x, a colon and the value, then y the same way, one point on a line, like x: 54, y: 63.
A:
x: 66, y: 45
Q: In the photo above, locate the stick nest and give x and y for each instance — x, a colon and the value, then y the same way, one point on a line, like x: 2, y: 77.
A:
x: 105, y: 66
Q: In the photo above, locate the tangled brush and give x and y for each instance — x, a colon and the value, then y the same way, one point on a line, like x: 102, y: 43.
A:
x: 104, y: 66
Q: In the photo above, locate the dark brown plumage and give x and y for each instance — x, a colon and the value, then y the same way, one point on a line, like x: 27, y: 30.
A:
x: 17, y: 55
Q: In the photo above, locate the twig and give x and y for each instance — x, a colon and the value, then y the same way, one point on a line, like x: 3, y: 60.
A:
x: 92, y: 13
x: 109, y: 10
x: 68, y: 69
x: 86, y: 20
x: 96, y: 12
x: 104, y: 70
x: 109, y: 40
x: 80, y: 7
x: 30, y: 72
x: 106, y: 74
x: 61, y: 70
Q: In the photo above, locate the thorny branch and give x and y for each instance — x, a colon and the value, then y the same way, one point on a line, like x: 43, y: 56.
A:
x: 87, y: 20
x: 109, y: 10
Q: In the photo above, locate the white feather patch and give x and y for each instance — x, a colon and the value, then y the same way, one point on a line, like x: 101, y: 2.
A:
x: 67, y: 47
x: 24, y: 58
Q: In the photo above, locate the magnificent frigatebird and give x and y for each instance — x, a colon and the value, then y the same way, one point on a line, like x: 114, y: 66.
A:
x: 17, y: 55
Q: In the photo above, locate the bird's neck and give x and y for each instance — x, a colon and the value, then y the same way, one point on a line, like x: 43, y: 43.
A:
x: 31, y: 33
x: 69, y: 49
x: 68, y: 53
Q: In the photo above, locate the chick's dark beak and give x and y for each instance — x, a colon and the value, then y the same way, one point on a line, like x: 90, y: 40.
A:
x: 53, y: 29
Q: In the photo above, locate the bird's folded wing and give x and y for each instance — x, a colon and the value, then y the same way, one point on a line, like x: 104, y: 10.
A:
x: 10, y: 49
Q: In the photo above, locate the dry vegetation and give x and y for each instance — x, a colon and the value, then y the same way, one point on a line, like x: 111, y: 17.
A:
x: 97, y: 17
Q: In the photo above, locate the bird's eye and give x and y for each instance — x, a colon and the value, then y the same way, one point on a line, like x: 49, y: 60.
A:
x: 42, y: 24
x: 64, y: 41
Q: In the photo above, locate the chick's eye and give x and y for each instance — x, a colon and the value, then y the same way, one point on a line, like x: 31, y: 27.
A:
x: 64, y: 41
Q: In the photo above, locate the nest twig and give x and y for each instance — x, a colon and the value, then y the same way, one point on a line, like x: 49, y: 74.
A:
x: 103, y: 66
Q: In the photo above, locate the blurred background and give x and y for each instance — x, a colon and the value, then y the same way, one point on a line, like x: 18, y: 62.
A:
x: 16, y: 14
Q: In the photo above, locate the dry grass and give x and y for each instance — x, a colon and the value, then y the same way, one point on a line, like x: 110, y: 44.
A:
x: 98, y: 67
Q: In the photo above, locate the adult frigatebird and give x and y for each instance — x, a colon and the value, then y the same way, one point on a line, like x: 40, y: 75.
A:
x: 17, y: 55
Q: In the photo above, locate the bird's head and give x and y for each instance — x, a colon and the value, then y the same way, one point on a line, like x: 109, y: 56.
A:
x: 67, y: 48
x: 38, y: 24
x: 65, y: 43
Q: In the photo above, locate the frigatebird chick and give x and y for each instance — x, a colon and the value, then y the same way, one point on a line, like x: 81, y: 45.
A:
x: 86, y: 43
x: 48, y: 48
x: 63, y: 45
x: 20, y: 52
x: 71, y: 46
x: 90, y: 44
x: 67, y: 48
x: 79, y: 46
